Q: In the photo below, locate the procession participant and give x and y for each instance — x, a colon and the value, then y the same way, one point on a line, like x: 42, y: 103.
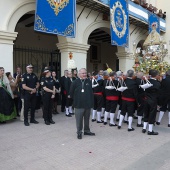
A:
x: 67, y: 83
x: 48, y: 87
x: 97, y: 86
x: 63, y: 91
x: 129, y: 96
x: 82, y: 94
x: 30, y: 85
x: 112, y: 97
x: 58, y: 90
x: 7, y: 107
x: 165, y: 97
x: 151, y: 102
x: 141, y: 96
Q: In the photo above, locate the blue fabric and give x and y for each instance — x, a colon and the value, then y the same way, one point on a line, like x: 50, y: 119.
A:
x: 119, y: 18
x: 56, y: 18
x: 153, y: 18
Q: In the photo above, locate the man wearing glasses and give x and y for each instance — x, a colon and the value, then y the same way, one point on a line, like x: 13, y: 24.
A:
x: 30, y: 85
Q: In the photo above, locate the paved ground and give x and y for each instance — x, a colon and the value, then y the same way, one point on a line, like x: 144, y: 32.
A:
x: 55, y: 147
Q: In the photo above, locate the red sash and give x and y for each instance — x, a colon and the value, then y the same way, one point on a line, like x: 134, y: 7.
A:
x: 112, y: 97
x: 128, y: 99
x: 99, y: 93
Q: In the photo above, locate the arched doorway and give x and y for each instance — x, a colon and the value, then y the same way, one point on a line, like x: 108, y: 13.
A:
x: 34, y: 47
x: 101, y: 51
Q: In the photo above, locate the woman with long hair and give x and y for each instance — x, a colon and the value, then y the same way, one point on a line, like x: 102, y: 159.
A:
x: 7, y: 107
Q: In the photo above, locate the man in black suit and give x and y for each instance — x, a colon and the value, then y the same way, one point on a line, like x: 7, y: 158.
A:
x: 63, y: 90
x: 82, y: 94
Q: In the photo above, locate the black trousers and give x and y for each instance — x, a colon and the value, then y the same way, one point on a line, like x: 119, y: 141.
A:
x: 111, y: 105
x: 128, y: 107
x: 140, y: 109
x: 69, y: 102
x: 47, y: 107
x: 98, y: 102
x: 16, y: 104
x: 150, y: 110
x: 63, y: 102
x: 29, y: 102
x: 165, y: 105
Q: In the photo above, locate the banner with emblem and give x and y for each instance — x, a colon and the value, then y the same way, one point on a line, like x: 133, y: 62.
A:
x: 119, y: 22
x: 56, y: 17
x: 153, y: 21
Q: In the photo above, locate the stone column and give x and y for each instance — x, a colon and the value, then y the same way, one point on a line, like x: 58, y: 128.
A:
x: 6, y: 50
x: 125, y: 61
x: 79, y: 54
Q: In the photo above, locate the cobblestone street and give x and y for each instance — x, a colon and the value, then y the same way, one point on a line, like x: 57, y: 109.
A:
x: 56, y: 147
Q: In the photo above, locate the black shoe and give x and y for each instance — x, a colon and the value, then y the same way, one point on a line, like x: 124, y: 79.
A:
x: 105, y: 123
x: 119, y: 127
x: 125, y: 121
x: 18, y: 115
x: 108, y: 118
x: 79, y: 136
x: 102, y: 117
x: 34, y: 121
x: 3, y: 122
x: 112, y: 124
x: 158, y: 123
x: 168, y: 125
x: 57, y: 112
x: 69, y: 115
x: 131, y: 129
x: 89, y: 133
x: 139, y: 125
x: 26, y: 124
x: 93, y: 120
x: 52, y: 122
x: 47, y: 122
x: 54, y: 113
x: 101, y: 121
x: 152, y: 133
x: 117, y: 120
x: 143, y: 130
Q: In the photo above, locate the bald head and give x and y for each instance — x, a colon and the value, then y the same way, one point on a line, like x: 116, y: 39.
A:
x: 83, y: 73
x: 139, y: 75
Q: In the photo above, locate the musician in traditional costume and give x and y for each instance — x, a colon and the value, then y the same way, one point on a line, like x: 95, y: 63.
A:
x: 129, y: 97
x: 97, y: 86
x: 112, y: 98
x: 151, y: 101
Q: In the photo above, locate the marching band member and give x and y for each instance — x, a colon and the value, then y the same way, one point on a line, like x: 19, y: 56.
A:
x: 98, y: 98
x: 129, y: 96
x: 112, y: 97
x: 165, y: 96
x: 151, y: 101
x: 141, y: 95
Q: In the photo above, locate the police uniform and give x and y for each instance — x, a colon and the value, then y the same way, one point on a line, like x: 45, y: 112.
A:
x: 30, y: 80
x: 47, y: 82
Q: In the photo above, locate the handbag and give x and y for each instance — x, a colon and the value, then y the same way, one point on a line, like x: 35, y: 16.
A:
x: 122, y: 87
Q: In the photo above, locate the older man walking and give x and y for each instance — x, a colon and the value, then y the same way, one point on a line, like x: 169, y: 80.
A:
x: 82, y: 95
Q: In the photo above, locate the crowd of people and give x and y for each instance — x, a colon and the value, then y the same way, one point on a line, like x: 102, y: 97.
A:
x: 108, y: 95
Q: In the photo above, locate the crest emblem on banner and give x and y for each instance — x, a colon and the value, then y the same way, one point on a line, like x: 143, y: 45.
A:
x: 58, y: 5
x: 118, y: 19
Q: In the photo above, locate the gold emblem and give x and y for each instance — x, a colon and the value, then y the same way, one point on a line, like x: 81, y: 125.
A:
x: 118, y: 24
x: 58, y: 5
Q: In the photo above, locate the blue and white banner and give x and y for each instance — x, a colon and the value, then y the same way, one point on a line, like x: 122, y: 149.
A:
x: 153, y: 21
x: 119, y: 20
x: 56, y: 17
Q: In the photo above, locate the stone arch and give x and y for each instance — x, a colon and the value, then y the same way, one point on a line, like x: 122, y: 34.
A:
x: 94, y: 26
x: 18, y: 12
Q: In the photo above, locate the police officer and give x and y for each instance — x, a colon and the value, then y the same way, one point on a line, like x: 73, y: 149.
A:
x: 48, y: 87
x: 30, y: 85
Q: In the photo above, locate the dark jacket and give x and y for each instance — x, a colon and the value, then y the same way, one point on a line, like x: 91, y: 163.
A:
x: 98, y: 88
x: 82, y: 99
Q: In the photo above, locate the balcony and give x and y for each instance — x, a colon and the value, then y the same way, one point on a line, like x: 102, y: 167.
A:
x: 138, y: 11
